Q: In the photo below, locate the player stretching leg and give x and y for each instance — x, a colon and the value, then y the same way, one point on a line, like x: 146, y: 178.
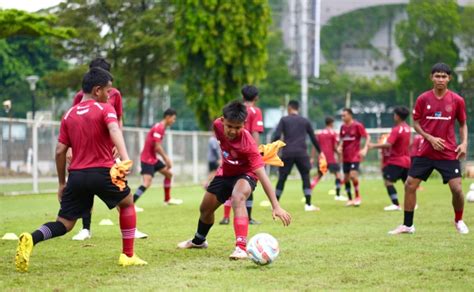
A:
x: 237, y: 177
x: 435, y: 115
x: 328, y: 140
x: 150, y: 162
x: 351, y: 133
x: 395, y: 156
x: 91, y: 129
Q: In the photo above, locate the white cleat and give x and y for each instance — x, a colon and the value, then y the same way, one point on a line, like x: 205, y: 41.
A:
x: 189, y: 244
x: 310, y: 208
x: 82, y: 235
x: 340, y: 198
x: 461, y: 227
x: 239, y: 254
x: 139, y: 234
x: 403, y: 229
x: 138, y: 209
x: 392, y: 207
x: 173, y: 202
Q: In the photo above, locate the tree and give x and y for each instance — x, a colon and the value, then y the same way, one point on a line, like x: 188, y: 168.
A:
x: 467, y: 30
x: 221, y: 46
x: 426, y: 38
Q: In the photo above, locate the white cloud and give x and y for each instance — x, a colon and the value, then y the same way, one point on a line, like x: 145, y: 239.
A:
x: 28, y: 5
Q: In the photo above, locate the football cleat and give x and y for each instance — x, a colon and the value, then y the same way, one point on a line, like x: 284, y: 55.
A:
x: 82, y: 235
x: 23, y: 252
x: 392, y: 207
x: 138, y: 209
x: 310, y: 208
x: 224, y: 221
x: 357, y: 201
x: 189, y: 244
x: 125, y: 261
x: 239, y: 254
x: 139, y: 234
x: 461, y: 227
x: 173, y: 202
x: 254, y: 222
x: 340, y: 198
x: 349, y: 203
x: 403, y: 229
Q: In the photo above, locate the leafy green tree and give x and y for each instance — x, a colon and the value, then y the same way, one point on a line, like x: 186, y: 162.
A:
x: 426, y: 38
x: 467, y: 30
x: 221, y: 46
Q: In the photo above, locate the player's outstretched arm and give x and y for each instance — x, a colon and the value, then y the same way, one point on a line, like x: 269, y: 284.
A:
x: 61, y: 150
x: 461, y: 150
x: 117, y: 138
x: 278, y: 211
x: 437, y: 143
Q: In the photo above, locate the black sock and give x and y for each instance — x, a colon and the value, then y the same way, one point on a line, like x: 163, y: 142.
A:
x: 338, y: 187
x: 408, y: 218
x: 249, y: 212
x: 48, y: 230
x: 278, y: 193
x: 201, y: 234
x: 138, y: 193
x: 86, y: 221
x: 249, y: 205
x: 392, y: 193
x: 348, y: 190
x: 308, y: 199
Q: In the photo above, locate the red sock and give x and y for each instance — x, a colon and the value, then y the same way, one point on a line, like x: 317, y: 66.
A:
x: 458, y: 215
x: 227, y: 208
x: 128, y: 224
x: 167, y: 187
x: 315, y: 181
x: 355, y: 182
x: 241, y: 230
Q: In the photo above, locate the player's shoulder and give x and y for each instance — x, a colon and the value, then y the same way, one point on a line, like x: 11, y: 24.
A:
x: 425, y: 95
x: 456, y: 97
x: 115, y: 92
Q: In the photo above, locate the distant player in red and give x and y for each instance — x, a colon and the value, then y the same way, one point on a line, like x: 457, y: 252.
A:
x: 91, y: 129
x: 115, y: 99
x: 237, y: 177
x: 435, y: 115
x: 415, y: 145
x: 253, y: 124
x: 151, y: 163
x: 395, y: 155
x: 351, y: 133
x: 328, y: 140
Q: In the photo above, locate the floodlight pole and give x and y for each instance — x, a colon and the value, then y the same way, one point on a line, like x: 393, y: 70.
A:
x: 304, y: 57
x: 32, y: 79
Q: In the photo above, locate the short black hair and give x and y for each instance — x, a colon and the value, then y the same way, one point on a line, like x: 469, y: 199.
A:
x: 294, y: 104
x: 95, y: 77
x: 329, y: 120
x: 348, y: 110
x: 169, y: 113
x: 249, y: 92
x: 235, y: 111
x: 101, y: 63
x: 440, y: 68
x: 402, y: 112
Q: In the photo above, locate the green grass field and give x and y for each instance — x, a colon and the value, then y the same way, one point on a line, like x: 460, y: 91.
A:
x: 336, y: 248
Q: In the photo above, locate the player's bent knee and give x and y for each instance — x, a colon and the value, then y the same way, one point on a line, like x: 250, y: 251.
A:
x: 69, y: 224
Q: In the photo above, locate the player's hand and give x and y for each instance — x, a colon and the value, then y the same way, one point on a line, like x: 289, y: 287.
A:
x: 371, y: 146
x: 69, y: 155
x: 363, y: 152
x: 339, y: 149
x: 461, y: 151
x: 437, y: 143
x: 322, y: 156
x: 115, y: 153
x: 284, y: 216
x: 60, y: 191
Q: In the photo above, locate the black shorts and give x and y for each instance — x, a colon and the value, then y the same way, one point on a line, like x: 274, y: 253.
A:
x: 302, y: 164
x: 223, y: 186
x: 82, y: 185
x: 212, y: 165
x: 350, y: 166
x: 152, y: 168
x: 422, y: 167
x: 394, y: 172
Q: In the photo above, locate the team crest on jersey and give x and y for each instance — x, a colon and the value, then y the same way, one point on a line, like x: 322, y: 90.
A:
x: 428, y: 106
x: 225, y: 154
x: 438, y: 114
x: 449, y: 108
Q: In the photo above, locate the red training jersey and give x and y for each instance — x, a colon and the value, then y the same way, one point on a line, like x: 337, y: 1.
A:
x: 84, y: 129
x: 398, y: 154
x: 351, y: 135
x: 328, y: 140
x: 115, y: 99
x: 155, y: 135
x: 437, y: 118
x: 415, y: 145
x: 254, y: 122
x: 240, y: 156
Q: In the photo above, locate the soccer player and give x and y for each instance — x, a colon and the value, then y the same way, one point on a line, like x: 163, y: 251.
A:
x: 253, y: 124
x: 151, y: 163
x: 328, y: 141
x: 91, y: 129
x: 351, y: 133
x: 435, y: 115
x: 295, y: 128
x: 237, y: 177
x: 395, y: 156
x: 115, y: 99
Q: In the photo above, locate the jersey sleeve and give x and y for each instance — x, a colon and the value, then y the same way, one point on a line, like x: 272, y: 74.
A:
x: 257, y: 123
x: 157, y: 134
x: 418, y: 110
x: 393, y: 136
x: 118, y: 105
x: 362, y: 131
x: 63, y: 134
x: 109, y: 114
x: 461, y: 110
x: 77, y: 98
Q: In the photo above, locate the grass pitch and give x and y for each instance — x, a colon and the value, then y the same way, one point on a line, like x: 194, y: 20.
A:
x: 336, y: 248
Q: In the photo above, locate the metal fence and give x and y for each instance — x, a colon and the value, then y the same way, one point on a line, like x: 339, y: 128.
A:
x: 27, y: 155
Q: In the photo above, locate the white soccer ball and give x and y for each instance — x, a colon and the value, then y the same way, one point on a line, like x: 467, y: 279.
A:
x: 470, y: 196
x: 472, y: 187
x: 263, y: 249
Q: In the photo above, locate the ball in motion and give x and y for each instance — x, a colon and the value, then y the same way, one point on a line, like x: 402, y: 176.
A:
x: 470, y: 196
x: 263, y: 249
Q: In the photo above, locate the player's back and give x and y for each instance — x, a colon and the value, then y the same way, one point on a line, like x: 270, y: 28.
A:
x: 295, y: 129
x: 254, y: 122
x: 327, y: 139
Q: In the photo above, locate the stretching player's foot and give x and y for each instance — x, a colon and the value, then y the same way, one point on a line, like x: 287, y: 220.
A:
x: 134, y: 260
x: 254, y: 222
x: 224, y: 221
x: 138, y: 209
x: 239, y: 254
x: 461, y: 227
x: 82, y: 235
x: 310, y: 208
x: 403, y: 229
x: 357, y: 201
x: 340, y: 198
x: 23, y: 252
x: 349, y: 203
x: 139, y: 234
x: 173, y: 202
x: 189, y: 244
x: 392, y: 207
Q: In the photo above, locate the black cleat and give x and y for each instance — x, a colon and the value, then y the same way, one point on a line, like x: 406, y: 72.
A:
x: 254, y: 222
x: 224, y: 221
